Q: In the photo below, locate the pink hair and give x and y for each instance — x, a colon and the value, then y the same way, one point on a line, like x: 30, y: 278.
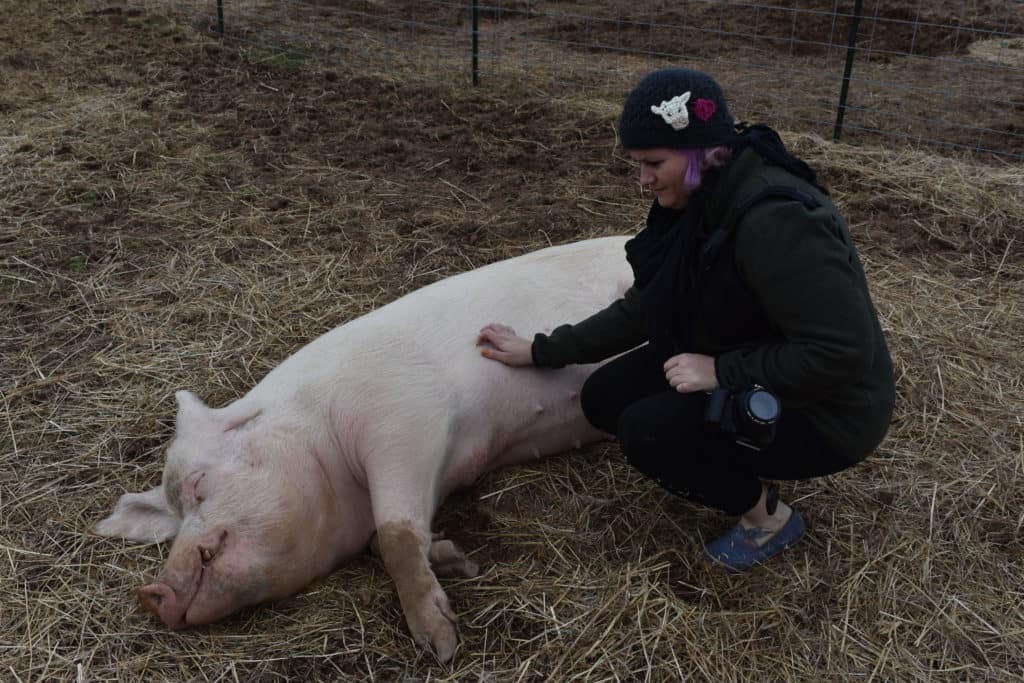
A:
x: 701, y: 159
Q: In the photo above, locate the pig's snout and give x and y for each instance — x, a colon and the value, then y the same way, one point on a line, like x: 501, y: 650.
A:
x: 160, y: 599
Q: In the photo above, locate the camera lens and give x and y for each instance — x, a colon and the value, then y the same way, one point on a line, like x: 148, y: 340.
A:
x: 762, y: 406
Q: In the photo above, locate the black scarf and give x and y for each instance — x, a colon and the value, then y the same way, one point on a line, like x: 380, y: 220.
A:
x: 664, y: 254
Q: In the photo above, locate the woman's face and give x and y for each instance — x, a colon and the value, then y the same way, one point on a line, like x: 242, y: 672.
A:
x: 663, y: 171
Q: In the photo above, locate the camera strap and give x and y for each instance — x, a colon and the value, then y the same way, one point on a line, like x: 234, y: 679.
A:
x: 717, y: 238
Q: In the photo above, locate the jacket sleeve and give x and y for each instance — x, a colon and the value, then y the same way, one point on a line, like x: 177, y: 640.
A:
x: 617, y: 328
x: 806, y: 275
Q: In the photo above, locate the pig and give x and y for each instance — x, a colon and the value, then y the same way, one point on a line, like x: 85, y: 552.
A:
x: 359, y: 436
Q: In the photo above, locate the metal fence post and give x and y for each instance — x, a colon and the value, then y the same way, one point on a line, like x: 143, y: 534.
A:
x: 851, y: 50
x: 576, y: 45
x: 476, y: 43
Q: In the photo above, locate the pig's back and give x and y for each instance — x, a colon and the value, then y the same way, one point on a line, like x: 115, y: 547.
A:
x: 535, y: 292
x: 419, y: 353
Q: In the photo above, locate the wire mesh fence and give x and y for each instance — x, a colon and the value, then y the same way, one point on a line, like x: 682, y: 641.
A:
x: 944, y: 73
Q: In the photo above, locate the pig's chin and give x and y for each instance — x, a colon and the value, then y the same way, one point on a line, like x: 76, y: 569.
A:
x: 198, y: 611
x: 208, y: 606
x: 200, y: 615
x: 211, y: 603
x: 195, y: 617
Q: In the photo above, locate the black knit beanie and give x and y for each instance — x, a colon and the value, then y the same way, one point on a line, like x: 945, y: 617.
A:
x: 675, y: 108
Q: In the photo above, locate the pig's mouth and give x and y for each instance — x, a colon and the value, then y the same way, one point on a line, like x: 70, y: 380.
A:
x: 170, y: 605
x: 173, y: 606
x: 186, y: 621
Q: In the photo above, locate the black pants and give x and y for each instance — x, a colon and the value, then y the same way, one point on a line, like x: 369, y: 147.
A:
x: 663, y: 435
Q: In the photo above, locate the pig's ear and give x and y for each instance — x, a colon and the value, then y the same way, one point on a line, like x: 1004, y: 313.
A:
x: 192, y: 411
x: 236, y: 416
x: 141, y: 517
x: 189, y: 406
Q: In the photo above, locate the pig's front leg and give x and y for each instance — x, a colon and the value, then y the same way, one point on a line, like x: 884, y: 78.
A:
x: 446, y: 558
x: 402, y: 485
x: 404, y: 548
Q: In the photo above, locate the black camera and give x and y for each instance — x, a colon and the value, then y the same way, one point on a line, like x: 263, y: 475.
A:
x: 748, y: 416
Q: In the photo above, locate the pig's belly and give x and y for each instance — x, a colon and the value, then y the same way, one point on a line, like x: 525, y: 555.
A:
x: 519, y: 415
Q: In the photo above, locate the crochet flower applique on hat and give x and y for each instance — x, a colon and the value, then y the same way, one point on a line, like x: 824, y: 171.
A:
x: 674, y: 111
x: 704, y: 109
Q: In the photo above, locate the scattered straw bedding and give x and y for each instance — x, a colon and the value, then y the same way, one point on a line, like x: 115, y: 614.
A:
x: 175, y: 213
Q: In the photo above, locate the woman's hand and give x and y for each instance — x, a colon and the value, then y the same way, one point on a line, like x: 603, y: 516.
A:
x: 689, y: 372
x: 507, y: 347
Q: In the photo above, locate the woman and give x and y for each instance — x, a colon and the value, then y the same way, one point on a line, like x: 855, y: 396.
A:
x: 745, y: 277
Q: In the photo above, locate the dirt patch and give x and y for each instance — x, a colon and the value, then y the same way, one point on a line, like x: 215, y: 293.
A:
x: 914, y: 79
x: 715, y: 29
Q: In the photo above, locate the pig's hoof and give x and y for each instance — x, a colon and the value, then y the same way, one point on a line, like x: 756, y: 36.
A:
x: 447, y: 560
x: 433, y: 626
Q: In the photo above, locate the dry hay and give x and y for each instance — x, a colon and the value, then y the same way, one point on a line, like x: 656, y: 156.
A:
x: 175, y: 213
x: 925, y: 72
x: 999, y: 50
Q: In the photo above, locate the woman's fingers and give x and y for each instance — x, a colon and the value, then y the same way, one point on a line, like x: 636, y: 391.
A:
x: 679, y: 379
x: 498, y: 327
x: 495, y: 340
x: 504, y: 345
x: 495, y: 333
x: 511, y: 356
x: 488, y: 335
x: 691, y: 372
x: 494, y: 354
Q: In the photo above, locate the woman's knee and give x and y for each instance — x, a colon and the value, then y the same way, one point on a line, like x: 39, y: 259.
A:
x: 597, y: 402
x: 667, y: 426
x: 638, y: 437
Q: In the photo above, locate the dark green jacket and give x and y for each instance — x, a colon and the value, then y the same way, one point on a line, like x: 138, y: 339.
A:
x: 825, y: 354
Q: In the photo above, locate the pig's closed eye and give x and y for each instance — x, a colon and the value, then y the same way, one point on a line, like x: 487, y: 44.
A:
x: 197, y: 494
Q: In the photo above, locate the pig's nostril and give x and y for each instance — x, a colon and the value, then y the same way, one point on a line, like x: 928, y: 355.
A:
x: 153, y: 597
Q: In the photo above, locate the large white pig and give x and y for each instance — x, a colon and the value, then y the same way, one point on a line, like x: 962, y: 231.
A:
x: 365, y: 430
